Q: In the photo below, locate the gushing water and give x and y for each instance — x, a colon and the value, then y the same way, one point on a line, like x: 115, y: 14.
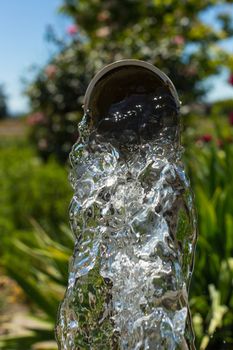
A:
x: 133, y: 220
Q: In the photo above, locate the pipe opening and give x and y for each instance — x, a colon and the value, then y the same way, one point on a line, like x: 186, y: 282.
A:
x: 131, y: 98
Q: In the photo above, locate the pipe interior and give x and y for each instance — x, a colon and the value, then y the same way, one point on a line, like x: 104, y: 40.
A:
x: 119, y: 84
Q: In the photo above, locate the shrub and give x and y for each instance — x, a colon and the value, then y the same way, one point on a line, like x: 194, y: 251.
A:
x: 170, y: 35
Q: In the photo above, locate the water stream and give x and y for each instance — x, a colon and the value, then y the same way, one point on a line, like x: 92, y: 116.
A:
x: 134, y: 224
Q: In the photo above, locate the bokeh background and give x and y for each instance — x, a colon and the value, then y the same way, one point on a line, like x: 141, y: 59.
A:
x: 49, y: 52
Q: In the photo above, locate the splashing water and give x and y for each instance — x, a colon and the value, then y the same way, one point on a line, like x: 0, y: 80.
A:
x: 133, y: 220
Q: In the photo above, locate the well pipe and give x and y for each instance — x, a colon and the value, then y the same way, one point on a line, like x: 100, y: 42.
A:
x: 132, y: 216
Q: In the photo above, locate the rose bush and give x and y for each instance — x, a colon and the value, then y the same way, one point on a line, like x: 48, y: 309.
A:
x: 172, y: 35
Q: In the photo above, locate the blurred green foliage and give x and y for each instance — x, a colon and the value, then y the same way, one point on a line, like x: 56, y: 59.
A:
x: 39, y: 265
x: 210, y: 162
x: 31, y: 189
x: 34, y: 197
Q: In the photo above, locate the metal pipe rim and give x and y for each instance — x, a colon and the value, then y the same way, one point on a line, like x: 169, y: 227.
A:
x: 130, y: 62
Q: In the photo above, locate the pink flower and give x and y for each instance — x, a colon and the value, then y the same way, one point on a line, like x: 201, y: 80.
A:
x: 72, y: 29
x: 42, y: 144
x: 51, y: 71
x: 36, y: 118
x: 230, y: 118
x: 220, y: 143
x: 190, y: 71
x: 178, y: 40
x: 103, y: 32
x: 206, y: 138
x: 230, y: 81
x: 103, y: 16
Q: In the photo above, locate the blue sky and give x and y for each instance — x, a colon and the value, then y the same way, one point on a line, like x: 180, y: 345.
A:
x: 22, y: 43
